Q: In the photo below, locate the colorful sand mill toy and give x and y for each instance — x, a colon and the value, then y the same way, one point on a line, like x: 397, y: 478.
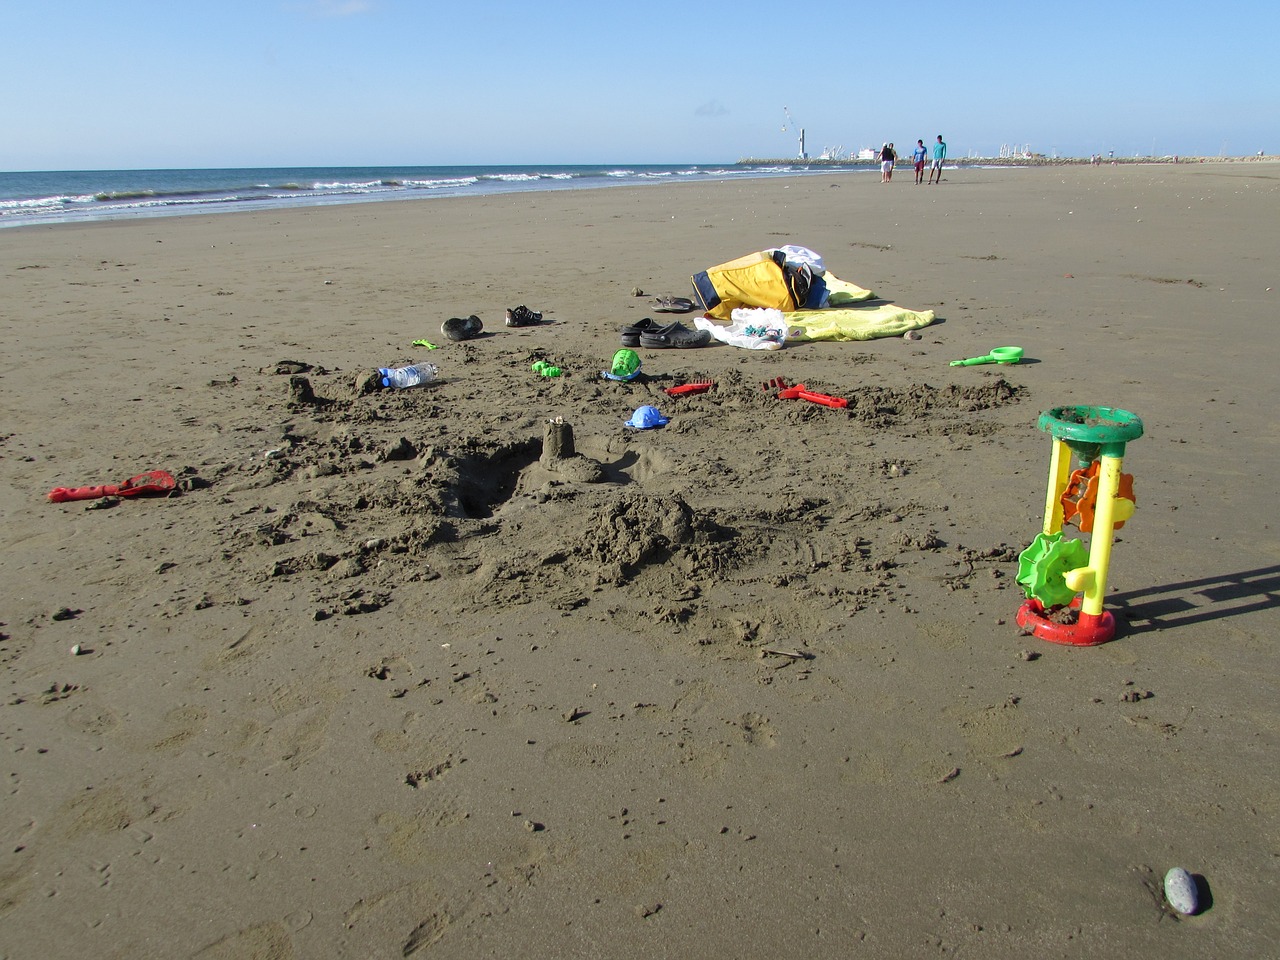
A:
x: 1064, y: 581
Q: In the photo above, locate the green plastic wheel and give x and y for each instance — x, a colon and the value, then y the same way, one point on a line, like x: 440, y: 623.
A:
x: 1043, y: 567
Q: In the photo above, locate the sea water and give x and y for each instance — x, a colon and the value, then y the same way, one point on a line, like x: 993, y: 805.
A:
x: 85, y: 195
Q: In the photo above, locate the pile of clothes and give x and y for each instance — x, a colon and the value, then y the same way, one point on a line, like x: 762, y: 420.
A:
x: 786, y: 294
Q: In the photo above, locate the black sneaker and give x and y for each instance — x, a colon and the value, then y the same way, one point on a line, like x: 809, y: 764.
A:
x: 674, y: 335
x: 631, y: 334
x: 456, y: 328
x: 522, y: 316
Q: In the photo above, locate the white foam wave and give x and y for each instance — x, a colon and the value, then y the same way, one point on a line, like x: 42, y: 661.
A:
x: 441, y: 184
x: 339, y: 185
x: 46, y: 203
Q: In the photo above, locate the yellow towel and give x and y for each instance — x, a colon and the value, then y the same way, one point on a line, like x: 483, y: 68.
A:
x: 843, y: 320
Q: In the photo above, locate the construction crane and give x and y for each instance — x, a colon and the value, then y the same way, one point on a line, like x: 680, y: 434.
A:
x: 794, y: 128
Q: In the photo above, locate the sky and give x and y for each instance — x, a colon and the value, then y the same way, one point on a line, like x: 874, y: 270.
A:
x: 130, y: 84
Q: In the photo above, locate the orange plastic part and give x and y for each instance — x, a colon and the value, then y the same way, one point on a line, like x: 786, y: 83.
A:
x: 1080, y: 499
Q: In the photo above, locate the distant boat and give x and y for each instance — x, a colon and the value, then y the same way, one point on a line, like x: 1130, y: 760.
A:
x: 866, y: 153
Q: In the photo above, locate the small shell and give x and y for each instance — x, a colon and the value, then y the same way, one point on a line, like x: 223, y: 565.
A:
x: 75, y: 650
x: 1180, y: 890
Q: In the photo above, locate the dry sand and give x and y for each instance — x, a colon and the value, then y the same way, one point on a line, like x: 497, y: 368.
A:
x: 400, y: 690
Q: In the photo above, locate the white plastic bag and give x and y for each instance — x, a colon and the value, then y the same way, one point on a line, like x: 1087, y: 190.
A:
x: 754, y: 328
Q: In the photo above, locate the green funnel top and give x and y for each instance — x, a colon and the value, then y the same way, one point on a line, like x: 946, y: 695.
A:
x: 1092, y: 430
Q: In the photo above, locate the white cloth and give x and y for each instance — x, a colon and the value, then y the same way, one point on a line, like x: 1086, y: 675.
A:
x: 753, y: 328
x: 797, y: 255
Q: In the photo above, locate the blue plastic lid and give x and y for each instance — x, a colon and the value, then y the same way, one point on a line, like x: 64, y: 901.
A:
x: 646, y: 418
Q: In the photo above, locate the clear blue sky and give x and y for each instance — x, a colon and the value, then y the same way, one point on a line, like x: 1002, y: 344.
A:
x: 94, y: 84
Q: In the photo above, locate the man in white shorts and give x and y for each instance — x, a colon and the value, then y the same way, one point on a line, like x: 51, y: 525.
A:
x: 939, y: 154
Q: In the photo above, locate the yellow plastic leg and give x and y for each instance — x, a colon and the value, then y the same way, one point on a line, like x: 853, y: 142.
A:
x: 1103, y: 530
x: 1059, y: 476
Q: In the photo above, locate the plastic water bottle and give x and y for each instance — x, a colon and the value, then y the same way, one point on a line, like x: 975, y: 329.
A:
x: 414, y: 376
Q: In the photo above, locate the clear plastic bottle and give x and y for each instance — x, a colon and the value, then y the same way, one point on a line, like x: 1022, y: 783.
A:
x: 414, y: 376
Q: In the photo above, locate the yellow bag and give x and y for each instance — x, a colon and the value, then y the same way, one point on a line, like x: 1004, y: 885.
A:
x: 756, y: 280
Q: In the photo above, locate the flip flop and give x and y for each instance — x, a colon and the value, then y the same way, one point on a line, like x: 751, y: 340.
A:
x: 672, y: 304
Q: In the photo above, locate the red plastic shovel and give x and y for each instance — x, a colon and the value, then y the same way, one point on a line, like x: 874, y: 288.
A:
x: 801, y: 392
x: 154, y: 481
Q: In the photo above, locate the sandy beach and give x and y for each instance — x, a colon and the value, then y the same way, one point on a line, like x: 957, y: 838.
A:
x: 378, y: 681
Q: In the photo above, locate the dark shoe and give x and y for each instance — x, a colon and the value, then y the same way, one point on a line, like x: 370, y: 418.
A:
x: 456, y: 328
x: 631, y: 335
x: 674, y: 335
x: 522, y: 316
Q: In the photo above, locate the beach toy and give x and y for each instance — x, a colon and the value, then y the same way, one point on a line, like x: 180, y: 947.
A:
x: 646, y: 418
x: 801, y: 392
x: 624, y: 366
x: 699, y: 386
x: 1063, y: 581
x: 625, y: 363
x: 997, y: 355
x: 544, y: 369
x: 424, y: 343
x: 154, y: 481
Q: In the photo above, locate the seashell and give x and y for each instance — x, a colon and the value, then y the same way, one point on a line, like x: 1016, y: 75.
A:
x: 911, y: 335
x: 1180, y: 890
x: 75, y: 650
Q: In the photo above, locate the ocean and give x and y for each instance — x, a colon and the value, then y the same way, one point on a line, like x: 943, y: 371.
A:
x: 79, y: 196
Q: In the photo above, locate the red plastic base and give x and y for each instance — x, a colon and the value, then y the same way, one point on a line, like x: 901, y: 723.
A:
x: 1089, y: 630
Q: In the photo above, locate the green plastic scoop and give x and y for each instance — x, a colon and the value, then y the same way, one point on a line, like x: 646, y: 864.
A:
x: 997, y: 355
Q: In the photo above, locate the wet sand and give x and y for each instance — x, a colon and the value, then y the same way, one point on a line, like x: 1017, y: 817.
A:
x: 381, y: 680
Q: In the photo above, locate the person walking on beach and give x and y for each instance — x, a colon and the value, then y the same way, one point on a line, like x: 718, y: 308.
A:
x: 887, y: 156
x: 939, y: 154
x: 918, y: 154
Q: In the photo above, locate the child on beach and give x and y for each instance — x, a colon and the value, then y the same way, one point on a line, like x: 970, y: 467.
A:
x: 918, y: 154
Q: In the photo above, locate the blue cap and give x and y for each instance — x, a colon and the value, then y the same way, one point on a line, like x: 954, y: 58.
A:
x: 646, y: 418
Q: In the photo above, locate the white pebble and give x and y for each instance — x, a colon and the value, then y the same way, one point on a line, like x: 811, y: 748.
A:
x: 1180, y: 891
x: 75, y: 651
